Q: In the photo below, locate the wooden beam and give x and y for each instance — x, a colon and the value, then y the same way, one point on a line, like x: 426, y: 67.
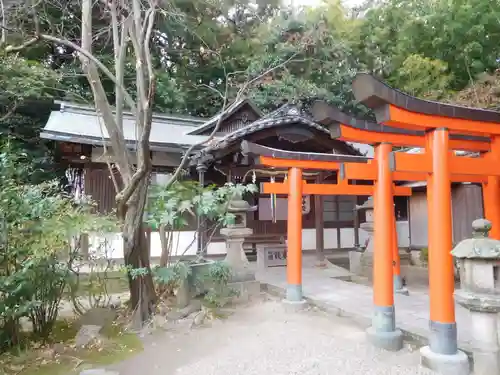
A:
x: 459, y: 165
x: 303, y: 164
x: 402, y: 118
x: 368, y: 172
x: 330, y: 189
x: 350, y: 134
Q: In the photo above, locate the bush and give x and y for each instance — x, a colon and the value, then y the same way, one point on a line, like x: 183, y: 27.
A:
x: 37, y: 226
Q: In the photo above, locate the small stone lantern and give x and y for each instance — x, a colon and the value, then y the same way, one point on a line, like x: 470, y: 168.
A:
x: 367, y: 226
x: 235, y: 234
x: 361, y: 260
x: 479, y: 267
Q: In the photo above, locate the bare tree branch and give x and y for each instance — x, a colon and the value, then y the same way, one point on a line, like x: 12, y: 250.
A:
x: 188, y: 152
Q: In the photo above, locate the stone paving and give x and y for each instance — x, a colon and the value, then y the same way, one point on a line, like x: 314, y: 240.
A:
x: 324, y: 288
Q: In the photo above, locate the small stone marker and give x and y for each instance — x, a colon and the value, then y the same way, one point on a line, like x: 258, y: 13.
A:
x: 271, y: 256
x: 86, y: 334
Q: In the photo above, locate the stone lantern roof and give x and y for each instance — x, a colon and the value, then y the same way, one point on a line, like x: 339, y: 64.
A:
x: 479, y: 246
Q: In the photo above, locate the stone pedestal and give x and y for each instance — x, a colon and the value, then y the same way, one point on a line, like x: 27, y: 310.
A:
x: 236, y: 257
x: 366, y: 262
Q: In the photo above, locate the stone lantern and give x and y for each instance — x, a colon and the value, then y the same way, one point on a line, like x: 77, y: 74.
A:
x: 235, y: 234
x: 479, y: 268
x: 367, y: 226
x: 360, y: 262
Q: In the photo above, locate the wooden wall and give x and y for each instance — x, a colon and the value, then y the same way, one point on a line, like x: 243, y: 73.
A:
x: 467, y: 205
x: 418, y: 220
x: 99, y: 186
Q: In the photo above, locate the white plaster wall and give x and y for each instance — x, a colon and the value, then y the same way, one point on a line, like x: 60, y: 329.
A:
x: 111, y: 245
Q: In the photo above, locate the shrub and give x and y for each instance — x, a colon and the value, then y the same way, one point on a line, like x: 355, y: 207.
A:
x: 37, y: 226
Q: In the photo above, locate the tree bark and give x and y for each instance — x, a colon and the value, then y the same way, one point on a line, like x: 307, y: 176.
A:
x: 136, y: 256
x: 165, y: 241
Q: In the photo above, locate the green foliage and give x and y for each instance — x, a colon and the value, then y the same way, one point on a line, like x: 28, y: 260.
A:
x: 37, y: 226
x: 319, y: 59
x: 218, y: 276
x: 173, y: 206
x: 423, y: 77
x: 27, y: 90
x: 462, y: 34
x: 23, y: 79
x: 170, y: 277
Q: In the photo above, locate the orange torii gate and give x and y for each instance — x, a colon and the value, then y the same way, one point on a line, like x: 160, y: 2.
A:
x: 295, y: 187
x: 438, y: 128
x: 341, y: 188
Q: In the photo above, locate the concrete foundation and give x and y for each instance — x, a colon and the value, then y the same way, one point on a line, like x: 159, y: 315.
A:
x: 294, y: 293
x: 392, y: 341
x: 294, y: 306
x: 445, y: 364
x: 443, y: 338
x: 383, y: 333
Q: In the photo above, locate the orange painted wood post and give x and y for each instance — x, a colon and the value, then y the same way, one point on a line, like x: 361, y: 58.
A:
x: 396, y: 261
x: 491, y: 194
x: 294, y: 235
x: 383, y: 331
x: 430, y: 226
x: 491, y: 203
x: 443, y: 337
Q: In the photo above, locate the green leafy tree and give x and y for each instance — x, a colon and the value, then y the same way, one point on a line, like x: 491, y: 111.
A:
x: 463, y: 34
x: 174, y: 207
x: 321, y: 61
x: 27, y: 89
x: 423, y: 77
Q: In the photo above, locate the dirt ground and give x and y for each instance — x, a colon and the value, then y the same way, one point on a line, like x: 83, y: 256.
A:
x: 262, y: 338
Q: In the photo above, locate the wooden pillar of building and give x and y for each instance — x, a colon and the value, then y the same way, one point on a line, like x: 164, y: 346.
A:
x: 319, y: 224
x: 443, y: 337
x: 383, y: 332
x: 200, y: 227
x: 294, y: 252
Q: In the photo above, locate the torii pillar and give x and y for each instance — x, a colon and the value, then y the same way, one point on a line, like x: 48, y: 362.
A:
x: 383, y: 332
x: 442, y: 354
x: 294, y: 294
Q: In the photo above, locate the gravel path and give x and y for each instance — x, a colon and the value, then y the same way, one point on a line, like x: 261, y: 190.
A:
x: 263, y: 339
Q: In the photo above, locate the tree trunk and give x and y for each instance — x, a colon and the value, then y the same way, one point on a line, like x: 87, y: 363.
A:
x: 166, y: 241
x: 136, y: 256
